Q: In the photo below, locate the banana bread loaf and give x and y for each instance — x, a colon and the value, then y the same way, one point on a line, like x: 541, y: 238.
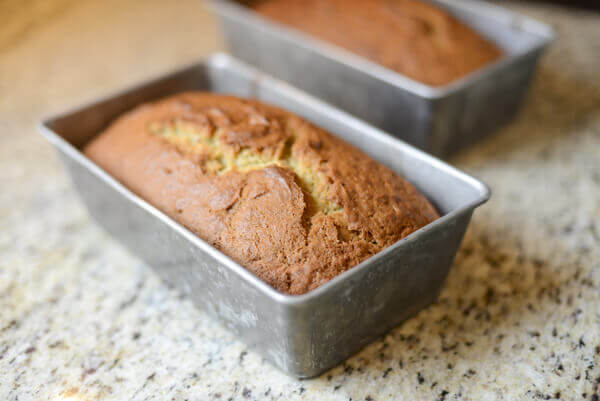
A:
x: 285, y: 199
x: 408, y: 36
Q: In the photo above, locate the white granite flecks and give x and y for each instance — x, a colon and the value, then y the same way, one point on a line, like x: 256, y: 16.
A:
x: 81, y: 319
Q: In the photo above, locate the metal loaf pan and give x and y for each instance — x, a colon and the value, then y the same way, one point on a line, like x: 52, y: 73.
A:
x: 439, y: 120
x: 303, y: 335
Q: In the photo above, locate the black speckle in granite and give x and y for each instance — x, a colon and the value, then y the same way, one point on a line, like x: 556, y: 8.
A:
x: 560, y: 367
x: 348, y: 369
x: 554, y: 332
x: 126, y: 304
x: 369, y: 398
x: 386, y: 372
x: 578, y: 377
x: 449, y: 366
x: 10, y: 325
x: 301, y: 390
x: 151, y: 377
x: 470, y: 373
x: 29, y: 350
x: 540, y: 396
x: 420, y: 378
x: 329, y: 377
x: 87, y: 372
x: 568, y: 229
x: 557, y: 395
x: 268, y: 391
x: 594, y: 232
x: 400, y: 364
x: 595, y: 397
x: 337, y: 387
x: 587, y: 283
x: 3, y: 352
x: 581, y: 342
x: 442, y: 395
x: 136, y: 335
x: 434, y: 384
x: 246, y: 392
x: 115, y: 363
x: 242, y: 356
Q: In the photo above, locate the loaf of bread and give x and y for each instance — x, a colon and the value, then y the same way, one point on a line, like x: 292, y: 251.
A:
x: 408, y: 36
x: 285, y: 199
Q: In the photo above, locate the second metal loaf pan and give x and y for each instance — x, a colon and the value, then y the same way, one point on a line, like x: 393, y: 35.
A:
x: 439, y: 120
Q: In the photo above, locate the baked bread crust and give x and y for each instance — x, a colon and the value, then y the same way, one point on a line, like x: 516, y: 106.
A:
x: 287, y: 200
x: 411, y: 37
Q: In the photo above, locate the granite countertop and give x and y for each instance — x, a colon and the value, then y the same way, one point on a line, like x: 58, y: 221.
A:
x: 81, y: 319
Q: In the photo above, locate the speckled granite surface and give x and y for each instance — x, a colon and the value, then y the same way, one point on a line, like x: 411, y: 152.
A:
x: 80, y: 319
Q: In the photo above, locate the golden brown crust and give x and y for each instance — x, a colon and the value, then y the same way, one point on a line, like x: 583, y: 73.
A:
x: 285, y: 199
x: 408, y: 36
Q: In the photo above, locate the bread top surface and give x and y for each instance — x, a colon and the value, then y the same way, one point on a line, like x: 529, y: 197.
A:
x: 285, y: 199
x: 411, y: 37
